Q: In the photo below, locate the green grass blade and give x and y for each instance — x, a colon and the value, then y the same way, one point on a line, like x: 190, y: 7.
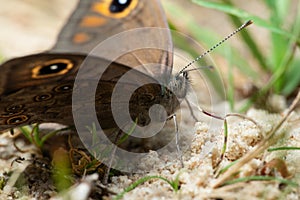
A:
x: 262, y: 178
x: 279, y: 10
x: 139, y: 182
x: 243, y: 15
x: 51, y: 134
x: 26, y: 131
x: 279, y: 43
x: 126, y: 135
x: 252, y: 46
x: 283, y: 149
x: 293, y: 75
x: 230, y: 88
x: 1, y: 58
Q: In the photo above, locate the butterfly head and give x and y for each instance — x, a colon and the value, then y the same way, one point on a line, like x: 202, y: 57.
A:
x: 179, y: 84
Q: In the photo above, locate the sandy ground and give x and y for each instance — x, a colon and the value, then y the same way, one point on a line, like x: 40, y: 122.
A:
x: 23, y: 31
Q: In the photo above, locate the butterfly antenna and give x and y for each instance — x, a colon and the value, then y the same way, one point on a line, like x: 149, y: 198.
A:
x: 216, y: 45
x: 210, y: 67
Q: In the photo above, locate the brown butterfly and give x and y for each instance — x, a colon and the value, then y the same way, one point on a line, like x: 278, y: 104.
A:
x: 81, y: 79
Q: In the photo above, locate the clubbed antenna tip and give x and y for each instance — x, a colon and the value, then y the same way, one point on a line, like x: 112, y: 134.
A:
x: 249, y: 22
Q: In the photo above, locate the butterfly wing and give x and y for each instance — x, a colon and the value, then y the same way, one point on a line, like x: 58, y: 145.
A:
x: 42, y: 99
x: 93, y: 21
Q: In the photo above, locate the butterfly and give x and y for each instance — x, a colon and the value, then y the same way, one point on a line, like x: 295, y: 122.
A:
x: 111, y: 64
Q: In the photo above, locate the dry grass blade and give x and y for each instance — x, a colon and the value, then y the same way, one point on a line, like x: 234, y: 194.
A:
x: 263, y: 145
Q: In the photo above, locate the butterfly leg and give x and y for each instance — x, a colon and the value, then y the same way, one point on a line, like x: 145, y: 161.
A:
x: 191, y: 110
x: 179, y: 152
